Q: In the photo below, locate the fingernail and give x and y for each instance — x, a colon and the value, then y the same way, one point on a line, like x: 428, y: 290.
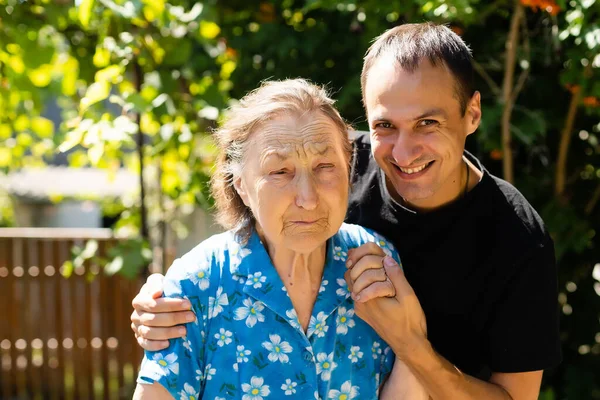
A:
x: 388, y: 261
x: 349, y: 263
x: 357, y: 297
x: 190, y: 317
x: 186, y: 304
x: 181, y: 330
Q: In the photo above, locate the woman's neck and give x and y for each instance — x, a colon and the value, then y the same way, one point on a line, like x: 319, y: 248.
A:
x: 301, y: 274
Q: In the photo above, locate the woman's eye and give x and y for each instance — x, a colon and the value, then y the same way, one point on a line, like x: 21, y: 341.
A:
x: 325, y: 166
x: 279, y: 172
x: 427, y: 122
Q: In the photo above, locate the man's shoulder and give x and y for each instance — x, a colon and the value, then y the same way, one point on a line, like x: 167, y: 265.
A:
x: 516, y: 219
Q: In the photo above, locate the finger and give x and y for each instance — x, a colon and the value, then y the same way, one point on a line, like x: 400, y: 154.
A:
x: 366, y: 249
x: 368, y: 277
x: 349, y: 281
x: 167, y: 319
x: 152, y: 345
x: 164, y: 304
x: 159, y: 334
x: 375, y: 290
x: 396, y: 275
x: 364, y: 264
x: 154, y: 285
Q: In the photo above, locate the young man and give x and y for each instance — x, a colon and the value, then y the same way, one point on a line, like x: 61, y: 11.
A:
x: 479, y: 319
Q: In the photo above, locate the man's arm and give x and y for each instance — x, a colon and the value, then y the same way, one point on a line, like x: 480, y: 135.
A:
x: 155, y: 320
x: 151, y: 392
x: 400, y: 321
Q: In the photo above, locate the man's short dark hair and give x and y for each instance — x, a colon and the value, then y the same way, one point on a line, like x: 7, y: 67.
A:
x: 409, y: 44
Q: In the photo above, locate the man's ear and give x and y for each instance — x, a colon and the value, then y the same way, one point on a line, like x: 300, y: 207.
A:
x: 473, y: 114
x: 240, y: 188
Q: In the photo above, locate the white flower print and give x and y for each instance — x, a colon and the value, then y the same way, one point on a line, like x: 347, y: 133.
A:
x: 251, y: 312
x: 325, y: 365
x: 256, y: 280
x: 199, y: 375
x: 316, y: 395
x: 338, y: 254
x: 346, y: 392
x: 376, y: 350
x: 242, y: 354
x: 188, y: 393
x: 343, y: 288
x: 236, y: 255
x: 224, y: 337
x: 278, y: 349
x: 201, y: 277
x: 215, y: 304
x: 293, y: 318
x: 386, y: 246
x: 344, y: 320
x: 220, y: 398
x: 187, y: 344
x: 322, y: 287
x: 289, y: 387
x: 355, y: 354
x: 235, y: 367
x: 256, y: 389
x: 318, y: 325
x: 167, y: 363
x: 209, y: 372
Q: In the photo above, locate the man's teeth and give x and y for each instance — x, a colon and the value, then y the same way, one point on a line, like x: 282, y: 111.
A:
x: 413, y: 170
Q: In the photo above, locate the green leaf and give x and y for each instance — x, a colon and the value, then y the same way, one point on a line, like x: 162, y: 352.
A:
x: 85, y: 12
x: 67, y: 268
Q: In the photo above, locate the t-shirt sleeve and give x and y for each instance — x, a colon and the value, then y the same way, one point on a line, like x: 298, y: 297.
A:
x: 523, y: 334
x: 180, y: 367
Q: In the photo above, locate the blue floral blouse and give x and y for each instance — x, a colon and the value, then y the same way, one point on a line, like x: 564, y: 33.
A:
x: 247, y: 342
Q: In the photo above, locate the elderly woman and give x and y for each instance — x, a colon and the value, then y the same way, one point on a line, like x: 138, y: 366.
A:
x: 274, y: 314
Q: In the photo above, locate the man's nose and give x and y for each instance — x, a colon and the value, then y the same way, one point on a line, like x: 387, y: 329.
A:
x: 407, y: 148
x: 306, y: 195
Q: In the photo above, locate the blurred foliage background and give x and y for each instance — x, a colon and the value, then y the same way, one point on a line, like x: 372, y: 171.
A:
x: 140, y: 84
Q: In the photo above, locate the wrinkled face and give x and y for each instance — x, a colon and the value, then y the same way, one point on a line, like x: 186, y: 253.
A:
x: 295, y: 181
x: 418, y: 131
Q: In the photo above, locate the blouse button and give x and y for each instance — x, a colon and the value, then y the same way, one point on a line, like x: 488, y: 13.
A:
x: 307, y: 356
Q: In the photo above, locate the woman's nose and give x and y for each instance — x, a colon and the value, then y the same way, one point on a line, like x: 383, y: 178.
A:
x: 306, y: 194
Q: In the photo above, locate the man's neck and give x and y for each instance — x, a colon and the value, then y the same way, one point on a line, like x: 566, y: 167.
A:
x: 454, y: 193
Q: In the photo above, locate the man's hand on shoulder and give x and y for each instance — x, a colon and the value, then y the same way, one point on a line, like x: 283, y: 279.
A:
x: 156, y: 319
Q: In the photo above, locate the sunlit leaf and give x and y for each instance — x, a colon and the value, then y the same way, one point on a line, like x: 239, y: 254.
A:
x: 41, y: 76
x: 101, y: 57
x: 112, y: 74
x: 69, y: 82
x: 97, y: 91
x: 95, y: 153
x: 209, y: 30
x: 43, y: 127
x: 5, y: 157
x: 85, y: 12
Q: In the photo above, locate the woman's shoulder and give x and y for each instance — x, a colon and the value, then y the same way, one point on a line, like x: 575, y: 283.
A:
x: 351, y: 236
x: 203, y: 267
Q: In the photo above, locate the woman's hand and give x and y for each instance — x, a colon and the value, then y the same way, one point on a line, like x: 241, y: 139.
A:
x: 155, y: 320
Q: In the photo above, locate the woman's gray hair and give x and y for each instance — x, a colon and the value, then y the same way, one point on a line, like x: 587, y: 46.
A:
x: 273, y: 98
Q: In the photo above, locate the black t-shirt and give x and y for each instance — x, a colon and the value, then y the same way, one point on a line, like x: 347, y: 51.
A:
x: 483, y: 268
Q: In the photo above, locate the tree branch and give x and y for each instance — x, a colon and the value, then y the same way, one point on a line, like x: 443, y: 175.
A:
x: 565, y: 138
x: 525, y: 71
x: 487, y: 78
x: 512, y: 42
x: 589, y: 207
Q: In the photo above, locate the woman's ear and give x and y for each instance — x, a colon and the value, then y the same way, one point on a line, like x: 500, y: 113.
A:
x: 240, y: 188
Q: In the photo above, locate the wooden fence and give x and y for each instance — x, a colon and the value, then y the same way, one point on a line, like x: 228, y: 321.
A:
x: 63, y: 338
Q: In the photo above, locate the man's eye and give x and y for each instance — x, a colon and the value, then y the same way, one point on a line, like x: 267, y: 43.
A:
x: 383, y: 125
x: 427, y: 122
